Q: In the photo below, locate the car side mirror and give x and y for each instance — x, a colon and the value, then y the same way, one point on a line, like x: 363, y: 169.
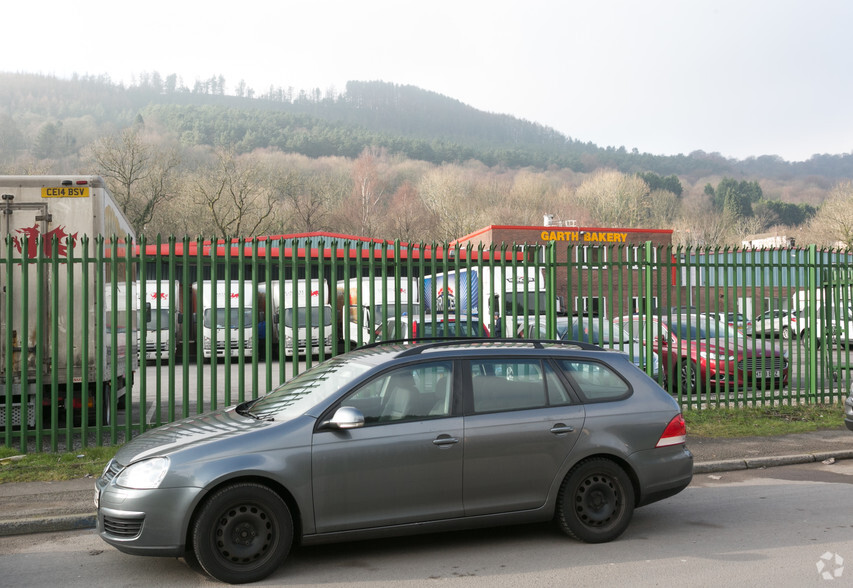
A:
x: 663, y: 341
x: 346, y: 417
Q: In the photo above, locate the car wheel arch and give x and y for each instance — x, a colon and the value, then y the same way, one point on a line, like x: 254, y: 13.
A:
x: 274, y: 485
x: 618, y: 460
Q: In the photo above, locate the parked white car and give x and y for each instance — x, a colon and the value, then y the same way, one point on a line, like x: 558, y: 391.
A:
x: 776, y: 323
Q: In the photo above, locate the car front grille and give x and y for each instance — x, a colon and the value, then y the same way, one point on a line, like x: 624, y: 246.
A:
x: 767, y: 365
x: 125, y: 528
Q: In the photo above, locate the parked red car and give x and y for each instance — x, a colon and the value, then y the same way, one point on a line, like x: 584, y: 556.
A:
x: 698, y: 352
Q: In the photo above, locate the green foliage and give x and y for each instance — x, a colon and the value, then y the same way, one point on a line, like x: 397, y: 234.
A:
x: 736, y: 197
x: 670, y: 183
x: 784, y: 213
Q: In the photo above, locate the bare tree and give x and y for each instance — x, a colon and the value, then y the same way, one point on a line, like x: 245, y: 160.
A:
x: 615, y: 199
x: 832, y: 226
x: 307, y: 199
x: 140, y: 175
x: 446, y: 194
x: 407, y: 218
x: 235, y: 195
x: 702, y: 225
x: 368, y: 188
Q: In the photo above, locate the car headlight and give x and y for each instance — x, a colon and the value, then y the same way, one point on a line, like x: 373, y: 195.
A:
x: 144, y: 475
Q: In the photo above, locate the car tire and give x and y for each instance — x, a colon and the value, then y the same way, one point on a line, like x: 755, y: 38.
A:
x: 786, y: 333
x: 691, y: 382
x: 807, y: 340
x: 596, y: 501
x: 242, y: 533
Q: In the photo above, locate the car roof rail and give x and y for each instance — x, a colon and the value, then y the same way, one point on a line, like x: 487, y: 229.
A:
x: 423, y: 343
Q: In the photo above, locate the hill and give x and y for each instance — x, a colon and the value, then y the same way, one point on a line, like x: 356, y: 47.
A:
x: 50, y: 117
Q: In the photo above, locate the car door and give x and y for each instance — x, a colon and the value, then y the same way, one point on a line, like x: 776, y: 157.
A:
x: 521, y: 424
x: 404, y: 465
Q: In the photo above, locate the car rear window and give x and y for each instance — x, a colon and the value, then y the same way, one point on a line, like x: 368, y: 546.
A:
x: 595, y: 381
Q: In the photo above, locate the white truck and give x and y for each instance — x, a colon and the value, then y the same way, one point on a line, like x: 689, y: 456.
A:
x: 225, y: 312
x: 514, y: 297
x: 64, y: 344
x: 362, y: 304
x: 160, y: 318
x: 294, y: 303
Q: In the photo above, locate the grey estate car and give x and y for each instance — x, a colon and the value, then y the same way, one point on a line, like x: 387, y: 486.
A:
x: 398, y: 438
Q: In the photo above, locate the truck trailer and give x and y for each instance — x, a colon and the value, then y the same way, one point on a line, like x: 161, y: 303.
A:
x: 160, y: 318
x: 507, y: 300
x: 67, y: 330
x: 365, y: 304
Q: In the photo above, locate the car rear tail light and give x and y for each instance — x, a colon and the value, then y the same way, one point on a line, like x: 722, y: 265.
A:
x: 675, y: 432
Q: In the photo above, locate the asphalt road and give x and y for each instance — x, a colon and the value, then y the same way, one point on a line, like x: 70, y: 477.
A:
x: 781, y: 526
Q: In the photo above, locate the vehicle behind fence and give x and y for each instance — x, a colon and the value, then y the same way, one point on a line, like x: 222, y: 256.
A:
x: 164, y: 350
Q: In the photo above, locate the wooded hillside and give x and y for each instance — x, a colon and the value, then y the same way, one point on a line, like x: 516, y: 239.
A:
x: 379, y: 160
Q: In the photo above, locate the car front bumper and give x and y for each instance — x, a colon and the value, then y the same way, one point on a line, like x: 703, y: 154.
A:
x: 145, y: 522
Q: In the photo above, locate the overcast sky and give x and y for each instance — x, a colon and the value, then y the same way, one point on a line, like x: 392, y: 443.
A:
x: 739, y: 77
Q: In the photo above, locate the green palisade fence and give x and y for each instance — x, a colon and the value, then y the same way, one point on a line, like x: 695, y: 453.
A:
x: 101, y: 340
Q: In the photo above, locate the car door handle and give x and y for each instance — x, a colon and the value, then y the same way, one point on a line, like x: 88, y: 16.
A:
x: 561, y: 429
x: 445, y: 440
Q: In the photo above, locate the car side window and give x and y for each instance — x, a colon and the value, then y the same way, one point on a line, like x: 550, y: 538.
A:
x: 507, y: 384
x: 416, y: 392
x: 595, y: 381
x: 557, y: 394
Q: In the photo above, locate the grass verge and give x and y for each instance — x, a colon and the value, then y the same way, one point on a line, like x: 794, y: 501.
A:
x: 763, y: 421
x: 53, y: 467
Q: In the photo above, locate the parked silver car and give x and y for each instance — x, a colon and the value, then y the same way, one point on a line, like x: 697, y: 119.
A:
x: 394, y: 439
x: 599, y: 331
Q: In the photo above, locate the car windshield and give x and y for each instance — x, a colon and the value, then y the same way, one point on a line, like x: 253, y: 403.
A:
x: 308, y: 389
x: 154, y: 316
x: 302, y: 316
x: 235, y: 318
x: 698, y: 328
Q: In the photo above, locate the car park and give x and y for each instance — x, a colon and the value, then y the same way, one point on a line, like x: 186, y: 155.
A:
x: 395, y: 439
x: 698, y: 352
x: 599, y: 331
x: 431, y: 326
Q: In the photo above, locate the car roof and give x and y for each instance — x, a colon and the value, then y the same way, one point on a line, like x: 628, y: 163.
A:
x: 407, y: 348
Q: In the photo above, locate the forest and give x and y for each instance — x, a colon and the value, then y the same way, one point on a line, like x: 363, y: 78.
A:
x: 388, y: 161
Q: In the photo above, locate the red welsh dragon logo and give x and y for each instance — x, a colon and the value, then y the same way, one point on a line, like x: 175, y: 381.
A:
x: 32, y: 234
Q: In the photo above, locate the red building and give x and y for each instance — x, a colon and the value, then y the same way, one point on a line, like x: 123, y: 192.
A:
x: 597, y: 268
